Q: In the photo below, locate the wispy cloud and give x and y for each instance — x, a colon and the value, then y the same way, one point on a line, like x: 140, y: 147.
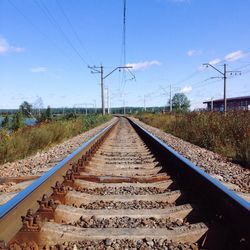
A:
x: 236, y: 55
x: 38, y: 70
x: 143, y: 65
x: 6, y: 48
x: 215, y: 61
x: 186, y: 89
x: 233, y: 56
x: 194, y: 52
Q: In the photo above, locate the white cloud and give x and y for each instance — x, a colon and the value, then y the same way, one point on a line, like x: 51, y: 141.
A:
x: 143, y: 65
x: 194, y: 52
x: 236, y: 55
x: 186, y: 89
x: 5, y: 47
x: 201, y: 67
x: 215, y: 61
x: 38, y: 70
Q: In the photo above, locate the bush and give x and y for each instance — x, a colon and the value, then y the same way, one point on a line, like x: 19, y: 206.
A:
x: 227, y: 135
x: 28, y: 140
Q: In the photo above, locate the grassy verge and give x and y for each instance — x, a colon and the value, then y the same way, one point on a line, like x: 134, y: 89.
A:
x: 28, y: 140
x: 227, y: 135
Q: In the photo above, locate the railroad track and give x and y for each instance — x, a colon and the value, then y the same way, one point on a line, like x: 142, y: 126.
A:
x: 125, y: 189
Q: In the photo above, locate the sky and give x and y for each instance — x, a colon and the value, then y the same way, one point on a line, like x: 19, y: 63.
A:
x: 46, y: 47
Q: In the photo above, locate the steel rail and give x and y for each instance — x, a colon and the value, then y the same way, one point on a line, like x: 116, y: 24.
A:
x: 11, y: 212
x: 225, y: 202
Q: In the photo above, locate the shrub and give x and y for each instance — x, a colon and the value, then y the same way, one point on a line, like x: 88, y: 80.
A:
x: 227, y: 135
x: 28, y: 140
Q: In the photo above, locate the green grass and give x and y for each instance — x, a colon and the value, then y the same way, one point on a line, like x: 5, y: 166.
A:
x: 29, y: 140
x: 227, y: 135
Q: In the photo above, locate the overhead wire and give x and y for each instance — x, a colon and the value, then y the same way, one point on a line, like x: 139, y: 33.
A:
x: 73, y: 29
x: 123, y: 50
x: 53, y: 21
x: 74, y: 32
x: 38, y: 29
x: 188, y: 77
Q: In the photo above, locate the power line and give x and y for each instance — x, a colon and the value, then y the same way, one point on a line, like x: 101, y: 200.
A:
x: 53, y: 21
x: 73, y: 29
x: 124, y: 32
x: 38, y: 29
x: 123, y: 50
x: 188, y: 77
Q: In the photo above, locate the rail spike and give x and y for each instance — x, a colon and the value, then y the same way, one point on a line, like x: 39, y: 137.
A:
x: 59, y: 189
x: 75, y: 169
x: 59, y: 192
x: 2, y: 245
x: 47, y: 207
x: 69, y: 178
x: 80, y: 163
x: 31, y: 222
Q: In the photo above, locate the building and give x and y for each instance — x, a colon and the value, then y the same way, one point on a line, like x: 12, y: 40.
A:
x: 234, y: 103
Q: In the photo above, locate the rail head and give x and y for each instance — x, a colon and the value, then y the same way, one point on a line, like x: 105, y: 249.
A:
x: 27, y: 198
x: 225, y: 201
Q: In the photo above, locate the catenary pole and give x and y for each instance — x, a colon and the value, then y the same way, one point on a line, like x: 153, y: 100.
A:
x: 224, y: 74
x: 100, y: 70
x: 102, y: 91
x: 225, y: 88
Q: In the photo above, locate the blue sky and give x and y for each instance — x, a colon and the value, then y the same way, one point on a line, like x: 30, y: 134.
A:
x: 46, y: 46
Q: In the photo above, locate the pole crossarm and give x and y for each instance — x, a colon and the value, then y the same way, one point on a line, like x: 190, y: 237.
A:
x: 215, y: 77
x: 99, y: 70
x: 208, y: 64
x: 124, y: 67
x: 224, y: 73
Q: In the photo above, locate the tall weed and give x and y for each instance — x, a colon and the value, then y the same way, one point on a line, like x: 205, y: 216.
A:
x: 227, y: 135
x: 28, y: 140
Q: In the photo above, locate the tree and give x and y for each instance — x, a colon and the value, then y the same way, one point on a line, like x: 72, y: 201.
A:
x: 6, y: 122
x: 48, y: 113
x: 38, y: 105
x: 26, y: 109
x: 180, y: 103
x: 17, y: 121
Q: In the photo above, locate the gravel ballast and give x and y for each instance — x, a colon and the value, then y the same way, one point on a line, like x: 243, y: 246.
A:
x: 123, y: 190
x: 127, y: 222
x: 126, y: 205
x: 214, y: 164
x: 143, y: 244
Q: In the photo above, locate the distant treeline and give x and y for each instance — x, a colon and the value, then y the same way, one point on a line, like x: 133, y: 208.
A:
x: 116, y: 110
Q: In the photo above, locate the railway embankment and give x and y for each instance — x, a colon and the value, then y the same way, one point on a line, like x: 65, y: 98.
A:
x: 42, y: 161
x: 232, y: 175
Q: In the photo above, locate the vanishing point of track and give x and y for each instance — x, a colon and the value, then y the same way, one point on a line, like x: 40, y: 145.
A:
x: 125, y: 189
